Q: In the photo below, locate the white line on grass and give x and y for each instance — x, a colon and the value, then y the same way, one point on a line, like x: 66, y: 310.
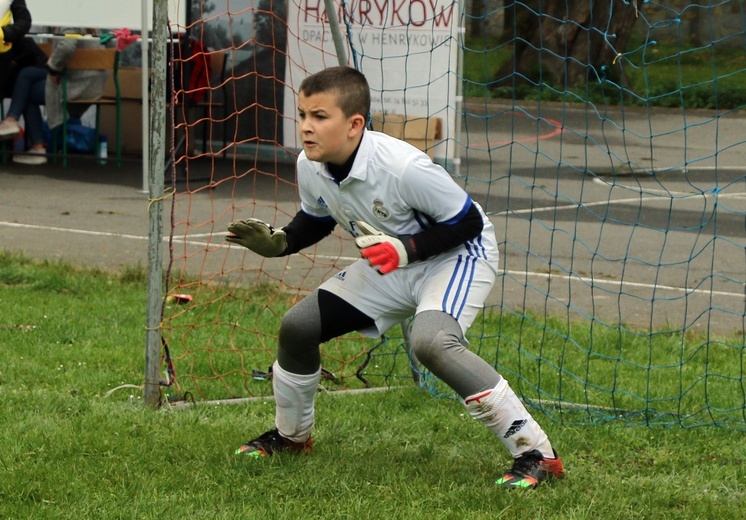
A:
x: 594, y: 281
x: 244, y: 400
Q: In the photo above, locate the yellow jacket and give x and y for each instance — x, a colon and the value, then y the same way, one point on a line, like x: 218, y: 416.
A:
x: 5, y: 20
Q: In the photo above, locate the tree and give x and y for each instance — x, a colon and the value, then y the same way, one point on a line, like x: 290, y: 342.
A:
x: 477, y: 18
x: 562, y: 42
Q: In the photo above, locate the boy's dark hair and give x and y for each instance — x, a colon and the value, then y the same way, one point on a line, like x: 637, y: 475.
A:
x: 350, y: 86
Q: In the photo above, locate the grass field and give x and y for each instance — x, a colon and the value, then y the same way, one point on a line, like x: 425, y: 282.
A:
x: 72, y: 450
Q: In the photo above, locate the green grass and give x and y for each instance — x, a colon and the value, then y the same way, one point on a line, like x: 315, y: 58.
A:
x: 583, y: 372
x: 69, y: 336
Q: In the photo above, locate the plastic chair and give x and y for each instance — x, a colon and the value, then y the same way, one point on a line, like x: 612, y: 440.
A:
x: 91, y: 59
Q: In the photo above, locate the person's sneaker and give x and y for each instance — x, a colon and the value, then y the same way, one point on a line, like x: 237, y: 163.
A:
x: 530, y: 469
x: 9, y: 129
x: 272, y: 442
x: 32, y: 157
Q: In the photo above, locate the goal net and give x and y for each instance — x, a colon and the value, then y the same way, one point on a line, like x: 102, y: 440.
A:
x: 604, y: 140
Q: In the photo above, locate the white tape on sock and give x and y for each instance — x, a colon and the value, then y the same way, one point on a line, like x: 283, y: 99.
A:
x: 504, y: 414
x: 294, y: 398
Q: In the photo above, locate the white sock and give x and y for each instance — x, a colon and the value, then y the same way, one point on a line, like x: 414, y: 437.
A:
x: 294, y: 398
x: 504, y: 414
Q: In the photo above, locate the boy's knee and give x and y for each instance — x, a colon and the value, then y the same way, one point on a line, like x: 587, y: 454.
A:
x: 298, y: 345
x: 296, y: 329
x: 422, y: 346
x: 430, y: 346
x: 434, y: 335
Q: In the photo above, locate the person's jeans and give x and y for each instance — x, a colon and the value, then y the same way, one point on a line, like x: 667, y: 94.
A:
x: 28, y: 95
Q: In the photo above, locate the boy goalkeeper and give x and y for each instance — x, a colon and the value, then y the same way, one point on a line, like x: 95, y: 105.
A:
x: 428, y: 251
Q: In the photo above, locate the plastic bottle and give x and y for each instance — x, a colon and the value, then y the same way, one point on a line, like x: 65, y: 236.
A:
x: 103, y: 149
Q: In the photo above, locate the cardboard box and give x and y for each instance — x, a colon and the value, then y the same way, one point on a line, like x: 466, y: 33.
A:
x: 427, y: 128
x: 131, y: 127
x: 391, y: 124
x: 421, y: 132
x: 423, y: 144
x: 130, y: 90
x: 130, y: 84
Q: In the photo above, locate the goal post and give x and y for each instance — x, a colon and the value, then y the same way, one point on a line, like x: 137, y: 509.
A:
x: 156, y: 180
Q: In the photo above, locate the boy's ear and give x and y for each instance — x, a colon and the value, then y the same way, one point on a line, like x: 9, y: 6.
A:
x: 357, y: 124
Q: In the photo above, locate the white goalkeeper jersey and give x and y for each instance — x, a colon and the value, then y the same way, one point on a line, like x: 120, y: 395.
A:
x: 394, y: 187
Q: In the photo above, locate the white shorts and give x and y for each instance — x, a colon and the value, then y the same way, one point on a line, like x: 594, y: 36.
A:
x: 454, y: 283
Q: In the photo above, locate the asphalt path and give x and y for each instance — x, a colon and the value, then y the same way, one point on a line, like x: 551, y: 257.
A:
x: 636, y: 218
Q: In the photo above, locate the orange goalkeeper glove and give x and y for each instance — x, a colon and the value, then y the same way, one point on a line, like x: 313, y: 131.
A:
x: 384, y: 252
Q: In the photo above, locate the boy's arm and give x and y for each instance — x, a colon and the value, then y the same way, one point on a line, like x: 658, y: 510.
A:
x: 452, y: 215
x: 443, y: 237
x: 388, y: 253
x: 303, y: 231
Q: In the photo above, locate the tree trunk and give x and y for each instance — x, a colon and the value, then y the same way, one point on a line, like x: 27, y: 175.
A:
x: 478, y: 18
x: 508, y: 20
x: 567, y: 40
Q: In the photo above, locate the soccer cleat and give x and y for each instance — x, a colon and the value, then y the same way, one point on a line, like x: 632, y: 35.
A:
x: 270, y: 442
x: 530, y: 469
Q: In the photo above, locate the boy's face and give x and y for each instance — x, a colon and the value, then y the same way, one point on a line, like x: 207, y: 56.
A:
x: 327, y: 135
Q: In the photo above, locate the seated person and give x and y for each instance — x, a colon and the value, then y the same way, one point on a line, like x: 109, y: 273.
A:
x: 28, y: 96
x: 37, y: 86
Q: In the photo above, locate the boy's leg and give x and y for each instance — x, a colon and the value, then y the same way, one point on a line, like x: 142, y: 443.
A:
x: 314, y: 320
x: 438, y: 343
x: 437, y: 339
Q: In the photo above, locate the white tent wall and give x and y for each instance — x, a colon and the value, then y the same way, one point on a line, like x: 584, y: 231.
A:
x: 102, y: 14
x: 111, y: 14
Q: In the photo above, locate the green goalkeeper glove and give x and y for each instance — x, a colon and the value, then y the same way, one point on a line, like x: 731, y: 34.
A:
x: 258, y: 236
x: 384, y: 252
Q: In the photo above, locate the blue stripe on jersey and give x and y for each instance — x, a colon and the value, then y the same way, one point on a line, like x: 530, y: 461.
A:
x: 426, y: 221
x: 462, y: 278
x: 419, y: 220
x: 467, y: 205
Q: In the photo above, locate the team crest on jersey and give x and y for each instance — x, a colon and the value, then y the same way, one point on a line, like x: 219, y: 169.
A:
x: 380, y: 211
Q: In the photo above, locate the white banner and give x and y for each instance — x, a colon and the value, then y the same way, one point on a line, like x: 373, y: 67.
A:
x: 407, y: 49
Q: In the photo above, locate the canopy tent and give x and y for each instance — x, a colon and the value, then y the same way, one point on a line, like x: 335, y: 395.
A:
x: 110, y: 14
x: 102, y: 14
